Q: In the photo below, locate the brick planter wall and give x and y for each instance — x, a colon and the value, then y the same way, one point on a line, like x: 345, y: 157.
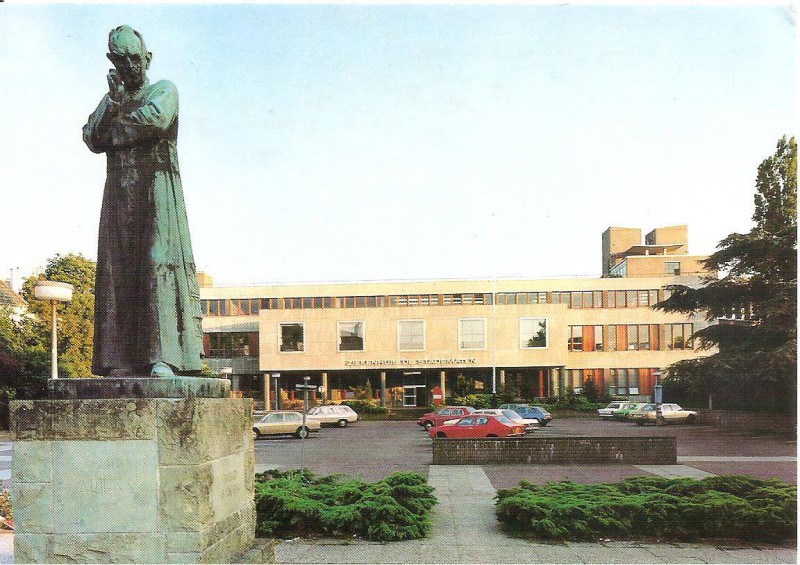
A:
x: 753, y: 421
x: 559, y: 450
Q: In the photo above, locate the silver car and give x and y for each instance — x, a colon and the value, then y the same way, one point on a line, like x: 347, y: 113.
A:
x: 333, y: 415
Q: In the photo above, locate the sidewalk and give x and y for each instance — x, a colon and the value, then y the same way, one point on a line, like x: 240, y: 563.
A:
x: 464, y: 530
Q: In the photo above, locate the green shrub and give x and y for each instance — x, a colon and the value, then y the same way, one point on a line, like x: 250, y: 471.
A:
x: 5, y: 507
x: 574, y: 402
x: 729, y: 506
x: 474, y: 400
x: 365, y: 406
x: 299, y: 503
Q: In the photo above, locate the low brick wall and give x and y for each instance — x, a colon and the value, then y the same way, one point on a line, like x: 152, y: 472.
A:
x: 752, y: 421
x: 559, y: 450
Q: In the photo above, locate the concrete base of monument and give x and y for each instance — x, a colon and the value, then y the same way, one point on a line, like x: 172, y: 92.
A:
x: 132, y: 479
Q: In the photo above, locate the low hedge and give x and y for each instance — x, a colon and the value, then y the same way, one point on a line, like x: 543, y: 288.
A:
x: 297, y: 503
x: 729, y: 506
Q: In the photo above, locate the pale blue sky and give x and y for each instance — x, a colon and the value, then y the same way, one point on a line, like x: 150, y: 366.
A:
x: 334, y: 142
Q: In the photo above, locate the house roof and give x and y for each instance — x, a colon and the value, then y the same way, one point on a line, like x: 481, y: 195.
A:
x: 8, y: 297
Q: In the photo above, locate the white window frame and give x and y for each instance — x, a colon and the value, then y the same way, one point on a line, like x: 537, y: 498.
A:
x: 546, y: 332
x: 424, y: 333
x: 339, y: 335
x: 280, y: 335
x: 485, y: 337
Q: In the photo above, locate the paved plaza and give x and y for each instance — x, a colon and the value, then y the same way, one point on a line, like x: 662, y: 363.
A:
x: 464, y: 527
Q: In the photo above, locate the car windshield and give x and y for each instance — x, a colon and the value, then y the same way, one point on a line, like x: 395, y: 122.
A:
x: 504, y: 420
x: 510, y: 414
x: 614, y: 405
x: 648, y: 407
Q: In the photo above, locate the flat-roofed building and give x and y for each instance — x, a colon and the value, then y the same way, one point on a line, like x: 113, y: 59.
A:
x: 539, y: 337
x: 665, y: 252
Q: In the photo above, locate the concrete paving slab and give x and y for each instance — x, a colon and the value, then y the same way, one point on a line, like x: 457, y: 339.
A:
x: 675, y: 471
x: 6, y: 548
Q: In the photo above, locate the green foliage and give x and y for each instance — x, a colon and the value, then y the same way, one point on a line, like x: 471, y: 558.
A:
x: 575, y: 402
x: 474, y: 400
x: 679, y: 509
x: 756, y: 364
x: 365, y: 406
x: 299, y: 503
x: 591, y: 391
x: 76, y: 318
x: 5, y: 507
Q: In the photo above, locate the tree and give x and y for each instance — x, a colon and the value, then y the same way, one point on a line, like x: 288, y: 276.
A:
x: 755, y: 300
x: 76, y: 318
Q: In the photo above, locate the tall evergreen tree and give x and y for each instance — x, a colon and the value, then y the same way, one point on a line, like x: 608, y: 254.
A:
x: 754, y: 298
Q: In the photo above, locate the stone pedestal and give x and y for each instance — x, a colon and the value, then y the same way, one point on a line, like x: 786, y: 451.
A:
x: 132, y: 480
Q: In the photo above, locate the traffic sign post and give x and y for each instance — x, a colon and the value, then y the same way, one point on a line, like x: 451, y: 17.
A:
x: 657, y: 396
x: 305, y: 387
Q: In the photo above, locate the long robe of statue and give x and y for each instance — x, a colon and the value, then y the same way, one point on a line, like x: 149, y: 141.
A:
x: 147, y: 302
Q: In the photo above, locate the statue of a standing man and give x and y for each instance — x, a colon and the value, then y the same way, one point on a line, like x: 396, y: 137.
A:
x: 147, y: 302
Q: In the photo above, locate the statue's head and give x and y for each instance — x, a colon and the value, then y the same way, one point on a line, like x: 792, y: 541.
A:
x: 128, y: 53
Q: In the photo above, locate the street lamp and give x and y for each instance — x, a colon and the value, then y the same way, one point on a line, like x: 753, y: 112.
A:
x: 54, y: 292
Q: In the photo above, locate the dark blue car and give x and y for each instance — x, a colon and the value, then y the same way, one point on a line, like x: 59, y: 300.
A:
x: 530, y: 411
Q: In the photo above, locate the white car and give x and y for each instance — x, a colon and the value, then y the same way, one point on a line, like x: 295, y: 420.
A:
x: 333, y: 415
x: 607, y: 412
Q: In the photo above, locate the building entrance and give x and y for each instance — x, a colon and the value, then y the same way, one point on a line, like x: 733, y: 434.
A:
x: 413, y: 395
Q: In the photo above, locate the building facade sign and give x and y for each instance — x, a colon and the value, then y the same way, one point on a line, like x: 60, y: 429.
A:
x: 407, y: 362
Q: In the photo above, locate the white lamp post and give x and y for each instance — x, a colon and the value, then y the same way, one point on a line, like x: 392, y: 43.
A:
x: 54, y: 292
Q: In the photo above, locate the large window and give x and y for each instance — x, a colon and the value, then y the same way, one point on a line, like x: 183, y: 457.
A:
x: 351, y: 336
x: 291, y: 337
x: 472, y: 333
x: 231, y: 344
x: 676, y: 336
x: 585, y: 338
x: 632, y: 337
x: 532, y: 333
x: 410, y: 335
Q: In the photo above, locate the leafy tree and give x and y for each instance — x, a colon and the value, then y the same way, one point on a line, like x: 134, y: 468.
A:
x: 76, y: 318
x: 757, y: 298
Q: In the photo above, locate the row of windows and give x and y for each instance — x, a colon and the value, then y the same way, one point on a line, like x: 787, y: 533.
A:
x: 630, y: 337
x: 411, y: 335
x: 614, y: 381
x: 573, y: 299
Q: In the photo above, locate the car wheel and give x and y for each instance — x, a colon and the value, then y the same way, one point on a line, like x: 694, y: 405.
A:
x: 440, y: 435
x: 301, y: 432
x: 428, y: 426
x: 691, y: 418
x: 342, y: 423
x: 256, y: 434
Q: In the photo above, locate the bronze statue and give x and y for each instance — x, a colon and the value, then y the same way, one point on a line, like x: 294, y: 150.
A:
x: 147, y: 301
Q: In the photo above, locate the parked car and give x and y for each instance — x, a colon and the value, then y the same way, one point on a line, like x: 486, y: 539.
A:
x: 627, y: 408
x: 672, y: 413
x: 529, y: 423
x: 437, y: 418
x: 608, y: 411
x: 530, y: 411
x: 333, y: 415
x: 284, y: 422
x: 478, y: 425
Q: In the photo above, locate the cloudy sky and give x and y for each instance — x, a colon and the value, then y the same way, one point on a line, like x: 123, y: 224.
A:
x: 362, y: 142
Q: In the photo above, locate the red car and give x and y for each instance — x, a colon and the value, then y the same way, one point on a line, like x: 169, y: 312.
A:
x: 478, y: 425
x: 438, y: 418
